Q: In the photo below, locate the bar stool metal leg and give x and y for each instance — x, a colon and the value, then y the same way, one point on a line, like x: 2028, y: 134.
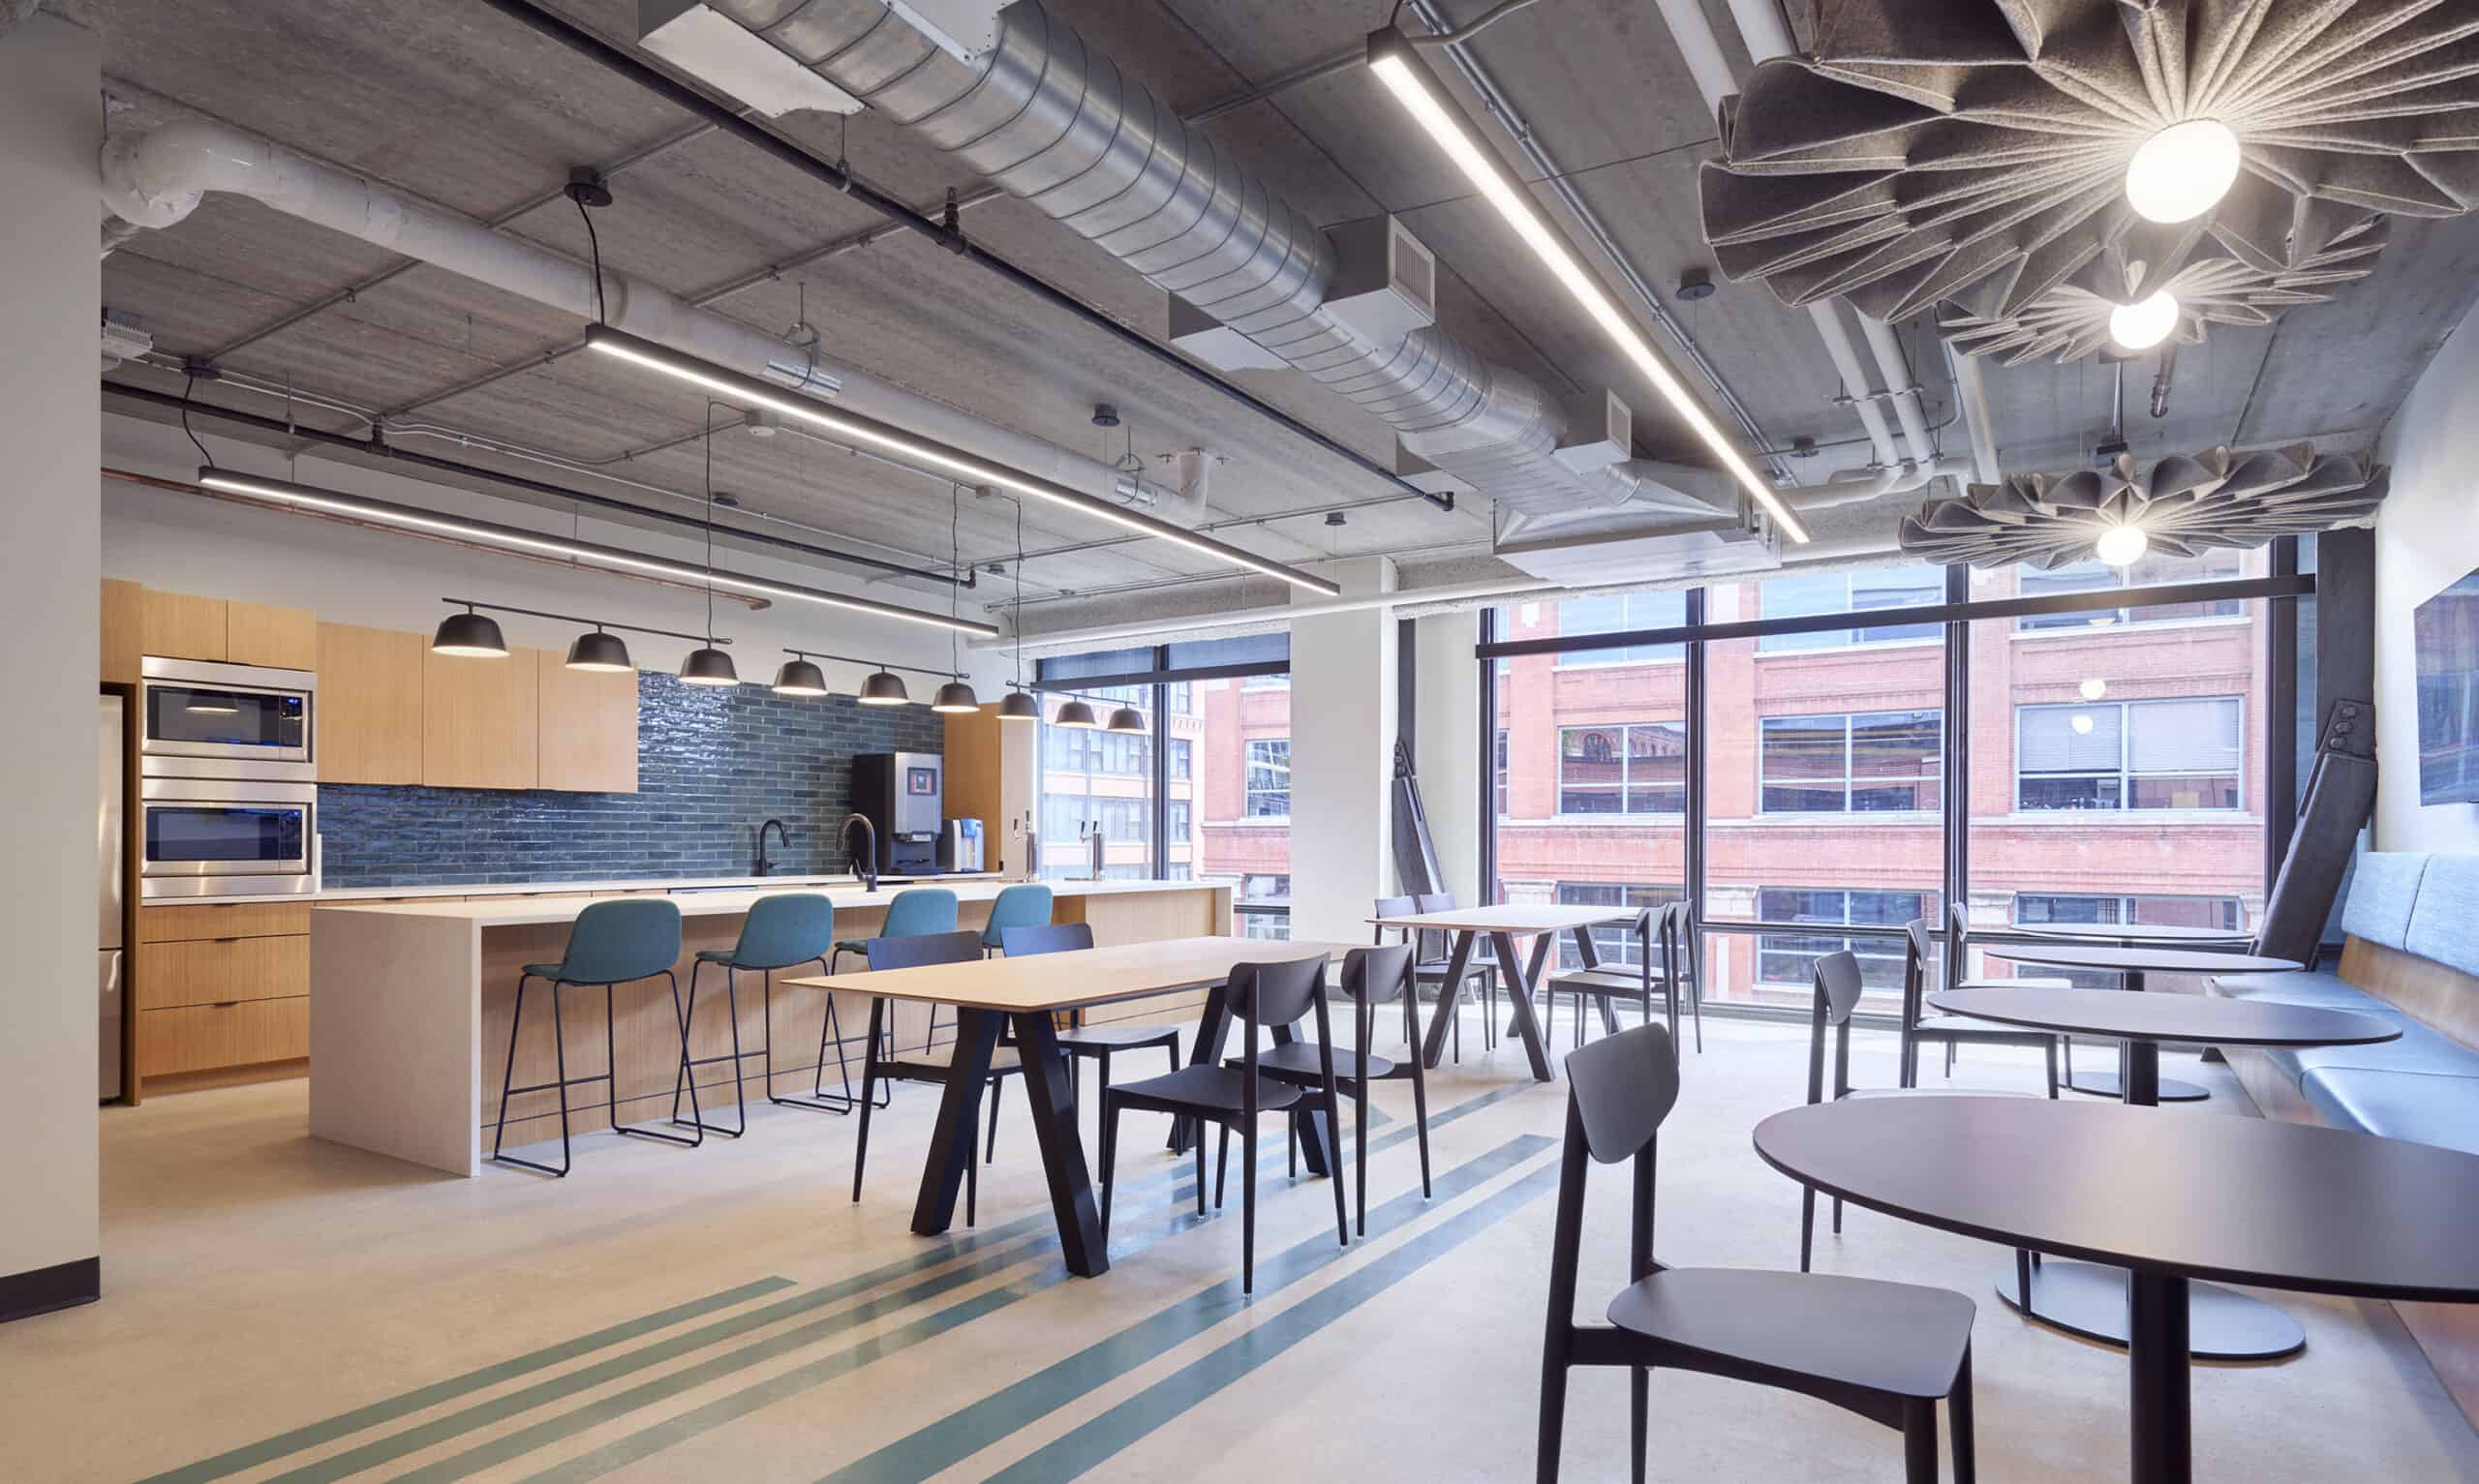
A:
x: 688, y: 1074
x: 821, y: 1101
x: 611, y: 1072
x: 560, y: 1065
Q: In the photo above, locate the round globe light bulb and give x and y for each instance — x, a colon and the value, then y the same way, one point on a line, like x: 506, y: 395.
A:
x: 2081, y: 723
x: 2183, y: 171
x: 2094, y: 688
x: 2141, y: 325
x: 2121, y: 546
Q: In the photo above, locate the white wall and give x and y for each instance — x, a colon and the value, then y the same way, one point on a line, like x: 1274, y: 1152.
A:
x: 1342, y: 740
x: 51, y: 126
x: 2427, y: 537
x: 1447, y: 689
x: 349, y: 574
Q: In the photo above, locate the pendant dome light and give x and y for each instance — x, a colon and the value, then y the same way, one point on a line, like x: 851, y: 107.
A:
x: 799, y: 677
x: 470, y: 635
x: 599, y: 653
x: 883, y: 688
x: 1075, y: 714
x: 708, y: 665
x: 1127, y: 718
x: 1017, y: 704
x: 955, y: 697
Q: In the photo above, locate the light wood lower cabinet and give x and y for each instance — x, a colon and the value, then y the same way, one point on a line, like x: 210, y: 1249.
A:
x: 205, y: 1038
x: 222, y: 920
x: 219, y: 971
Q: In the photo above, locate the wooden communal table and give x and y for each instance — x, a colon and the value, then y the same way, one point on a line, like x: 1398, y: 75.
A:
x: 2236, y: 1199
x: 1026, y: 993
x: 2090, y: 1300
x: 1502, y: 925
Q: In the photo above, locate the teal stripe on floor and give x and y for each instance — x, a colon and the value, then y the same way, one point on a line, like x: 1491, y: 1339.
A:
x: 966, y: 1432
x: 1073, y: 1454
x: 344, y: 1424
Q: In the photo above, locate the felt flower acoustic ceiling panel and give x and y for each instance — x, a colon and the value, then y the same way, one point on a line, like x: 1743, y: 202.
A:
x: 2180, y: 505
x: 2026, y: 158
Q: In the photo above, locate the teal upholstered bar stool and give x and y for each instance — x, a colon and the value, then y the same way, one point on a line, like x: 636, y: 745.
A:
x: 1018, y: 906
x: 614, y: 942
x: 911, y: 913
x: 779, y: 933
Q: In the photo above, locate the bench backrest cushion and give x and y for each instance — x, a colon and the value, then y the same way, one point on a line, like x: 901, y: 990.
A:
x: 2444, y: 924
x: 2384, y: 888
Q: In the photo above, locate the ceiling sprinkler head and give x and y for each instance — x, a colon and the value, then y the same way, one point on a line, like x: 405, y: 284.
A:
x: 1695, y: 283
x: 1105, y: 415
x: 1803, y: 447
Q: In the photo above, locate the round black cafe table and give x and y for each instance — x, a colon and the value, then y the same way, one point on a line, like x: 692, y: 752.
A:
x: 2090, y: 1300
x: 2174, y: 953
x: 2245, y: 1200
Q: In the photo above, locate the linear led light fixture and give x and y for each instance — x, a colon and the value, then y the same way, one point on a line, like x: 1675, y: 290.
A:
x: 585, y: 554
x: 1396, y: 61
x: 927, y: 453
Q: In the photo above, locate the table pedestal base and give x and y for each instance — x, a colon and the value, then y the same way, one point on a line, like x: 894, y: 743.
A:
x: 2090, y: 1300
x: 2106, y: 1084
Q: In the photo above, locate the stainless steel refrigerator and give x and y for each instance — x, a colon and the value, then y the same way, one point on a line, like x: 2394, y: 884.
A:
x: 108, y: 861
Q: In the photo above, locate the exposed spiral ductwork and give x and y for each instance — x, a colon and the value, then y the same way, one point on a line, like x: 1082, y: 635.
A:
x: 1056, y: 124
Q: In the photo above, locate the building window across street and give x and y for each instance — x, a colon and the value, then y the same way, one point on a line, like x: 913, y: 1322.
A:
x: 1268, y: 783
x: 2150, y: 572
x: 2174, y: 754
x: 1640, y: 768
x: 1868, y: 762
x: 1263, y: 905
x: 1784, y: 958
x: 1615, y: 612
x: 1615, y: 942
x: 1854, y: 594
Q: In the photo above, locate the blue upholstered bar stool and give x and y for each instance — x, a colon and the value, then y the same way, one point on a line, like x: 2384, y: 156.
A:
x: 779, y: 933
x: 614, y: 942
x: 915, y: 912
x: 1018, y: 906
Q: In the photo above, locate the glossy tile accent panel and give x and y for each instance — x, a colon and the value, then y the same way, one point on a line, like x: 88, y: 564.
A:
x: 712, y: 763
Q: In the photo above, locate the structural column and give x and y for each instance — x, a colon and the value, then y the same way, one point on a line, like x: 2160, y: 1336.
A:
x: 50, y: 447
x: 1342, y: 740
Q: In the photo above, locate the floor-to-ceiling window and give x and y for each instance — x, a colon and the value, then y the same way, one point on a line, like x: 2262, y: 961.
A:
x: 2088, y: 745
x: 1206, y: 796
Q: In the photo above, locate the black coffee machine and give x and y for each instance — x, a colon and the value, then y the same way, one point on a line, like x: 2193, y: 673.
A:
x: 903, y: 795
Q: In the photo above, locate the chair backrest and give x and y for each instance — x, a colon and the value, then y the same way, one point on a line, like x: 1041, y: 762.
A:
x: 1436, y: 937
x: 622, y: 938
x: 914, y: 950
x: 918, y: 910
x: 1916, y: 947
x: 1392, y: 906
x: 1681, y: 952
x: 1276, y: 993
x: 1018, y: 906
x: 1377, y: 976
x: 1620, y: 1089
x: 786, y: 930
x: 1958, y: 933
x: 1838, y: 987
x: 1047, y: 938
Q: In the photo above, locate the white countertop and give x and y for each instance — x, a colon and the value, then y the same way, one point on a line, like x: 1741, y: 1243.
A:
x: 343, y: 894
x: 567, y: 899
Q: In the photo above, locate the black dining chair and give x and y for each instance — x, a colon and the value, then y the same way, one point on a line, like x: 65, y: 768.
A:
x: 1432, y: 961
x: 1371, y: 977
x: 1889, y: 1352
x: 1261, y: 997
x: 1081, y: 1042
x: 1838, y: 987
x: 1657, y: 963
x: 885, y: 1062
x: 1918, y: 1026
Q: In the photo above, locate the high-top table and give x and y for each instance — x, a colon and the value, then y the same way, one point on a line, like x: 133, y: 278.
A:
x: 1028, y: 992
x: 2092, y: 1301
x: 2131, y: 962
x: 1502, y: 924
x: 2105, y: 1084
x: 2238, y: 1199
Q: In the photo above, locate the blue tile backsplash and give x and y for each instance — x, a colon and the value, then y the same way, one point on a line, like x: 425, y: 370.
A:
x: 711, y: 765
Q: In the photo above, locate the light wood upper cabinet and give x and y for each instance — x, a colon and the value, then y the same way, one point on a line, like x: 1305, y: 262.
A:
x: 479, y: 720
x: 370, y: 703
x: 123, y: 623
x: 178, y: 626
x: 285, y: 638
x: 588, y: 729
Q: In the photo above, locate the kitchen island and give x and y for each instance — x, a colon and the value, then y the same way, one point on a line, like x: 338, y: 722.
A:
x: 411, y: 1003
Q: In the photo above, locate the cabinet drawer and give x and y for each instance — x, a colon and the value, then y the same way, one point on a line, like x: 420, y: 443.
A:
x: 212, y: 971
x: 222, y: 920
x: 202, y: 1037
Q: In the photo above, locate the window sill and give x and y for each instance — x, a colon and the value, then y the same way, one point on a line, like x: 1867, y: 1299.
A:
x: 1865, y: 645
x: 2074, y: 818
x: 2134, y: 626
x: 1614, y: 664
x: 1842, y: 817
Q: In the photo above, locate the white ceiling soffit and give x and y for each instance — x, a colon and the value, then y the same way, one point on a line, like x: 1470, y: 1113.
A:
x: 1979, y: 149
x: 1056, y: 124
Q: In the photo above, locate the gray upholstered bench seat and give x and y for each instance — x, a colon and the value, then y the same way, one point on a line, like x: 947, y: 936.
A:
x: 2319, y: 988
x: 2425, y: 1108
x: 2420, y: 1050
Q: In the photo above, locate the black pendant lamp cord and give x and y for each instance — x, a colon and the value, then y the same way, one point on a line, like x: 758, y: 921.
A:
x: 189, y: 387
x: 593, y: 246
x: 955, y: 568
x: 1019, y: 594
x: 708, y: 441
